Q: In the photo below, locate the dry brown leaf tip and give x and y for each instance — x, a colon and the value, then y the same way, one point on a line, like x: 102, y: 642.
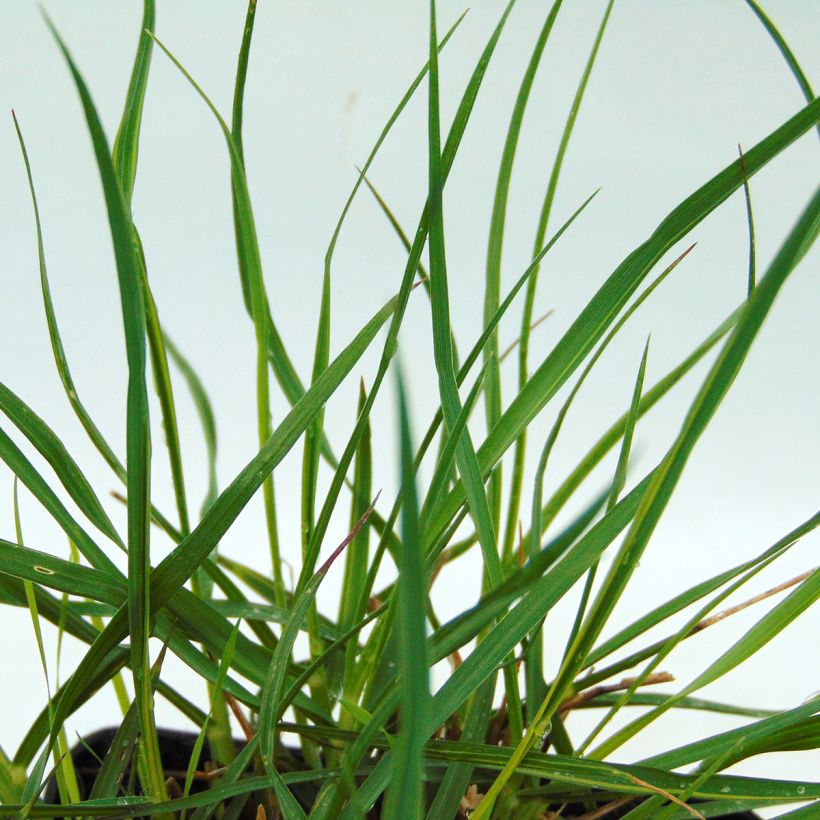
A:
x: 470, y: 800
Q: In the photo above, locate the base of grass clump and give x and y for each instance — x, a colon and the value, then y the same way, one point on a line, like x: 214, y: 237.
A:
x: 177, y: 748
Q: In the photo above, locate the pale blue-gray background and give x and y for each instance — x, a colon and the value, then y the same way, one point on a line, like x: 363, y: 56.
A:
x: 676, y: 87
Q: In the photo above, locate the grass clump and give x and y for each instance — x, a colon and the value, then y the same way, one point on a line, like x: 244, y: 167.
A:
x: 350, y: 726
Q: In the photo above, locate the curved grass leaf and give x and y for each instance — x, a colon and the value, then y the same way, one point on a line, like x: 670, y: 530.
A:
x: 715, y: 387
x: 124, y: 157
x: 60, y: 460
x: 492, y: 286
x: 663, y: 648
x: 699, y: 704
x: 617, y: 485
x: 165, y: 394
x: 783, y: 48
x: 404, y: 797
x: 216, y: 693
x: 272, y: 691
x: 747, y: 195
x: 762, y: 731
x: 64, y: 771
x: 536, y: 686
x: 126, y: 143
x: 238, y: 108
x: 202, y: 582
x: 529, y: 301
x: 41, y: 567
x: 477, y: 348
x: 451, y: 147
x: 138, y: 437
x: 204, y: 411
x: 25, y: 471
x: 537, y: 590
x: 680, y: 602
x: 611, y: 297
x: 608, y: 440
x: 769, y: 626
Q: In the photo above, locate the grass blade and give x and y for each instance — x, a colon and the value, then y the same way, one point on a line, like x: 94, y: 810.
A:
x: 476, y: 350
x: 353, y: 600
x: 615, y: 433
x: 758, y: 636
x: 770, y: 727
x: 205, y: 412
x: 165, y: 394
x: 54, y: 334
x: 783, y: 48
x: 391, y: 343
x: 700, y: 704
x: 536, y: 686
x: 441, y: 474
x: 717, y: 383
x: 442, y: 334
x: 216, y: 693
x: 752, y: 277
x: 124, y: 157
x: 695, y: 624
x: 138, y: 437
x: 593, y: 320
x: 273, y: 689
x: 66, y: 469
x: 404, y: 797
x: 529, y: 302
x: 126, y: 143
x: 492, y: 287
x: 617, y: 485
x: 63, y: 765
x: 238, y: 109
x: 55, y: 453
x: 692, y: 595
x: 310, y: 473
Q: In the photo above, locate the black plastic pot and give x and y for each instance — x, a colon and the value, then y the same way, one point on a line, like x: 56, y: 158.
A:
x: 176, y: 749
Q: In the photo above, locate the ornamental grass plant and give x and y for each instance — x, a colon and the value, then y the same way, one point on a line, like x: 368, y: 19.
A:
x: 304, y: 706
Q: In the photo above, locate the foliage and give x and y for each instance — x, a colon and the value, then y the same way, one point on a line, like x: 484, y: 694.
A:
x: 373, y: 739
